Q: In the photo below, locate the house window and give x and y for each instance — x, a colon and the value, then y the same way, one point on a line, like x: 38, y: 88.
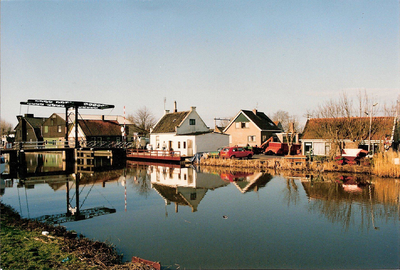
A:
x: 46, y: 129
x: 59, y: 129
x: 193, y: 196
x: 242, y: 125
x: 192, y: 122
x: 251, y: 138
x: 179, y: 145
x: 307, y: 147
x: 184, y: 145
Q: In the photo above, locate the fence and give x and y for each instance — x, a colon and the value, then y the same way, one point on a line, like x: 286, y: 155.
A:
x: 64, y: 144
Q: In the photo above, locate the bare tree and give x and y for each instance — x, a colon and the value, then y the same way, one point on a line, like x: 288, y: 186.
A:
x: 341, y: 120
x: 143, y: 118
x: 285, y: 119
x: 5, y: 127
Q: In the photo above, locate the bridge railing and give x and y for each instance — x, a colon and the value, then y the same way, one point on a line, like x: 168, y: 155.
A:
x: 64, y: 144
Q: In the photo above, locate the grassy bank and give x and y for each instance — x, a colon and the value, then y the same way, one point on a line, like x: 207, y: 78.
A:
x: 23, y: 246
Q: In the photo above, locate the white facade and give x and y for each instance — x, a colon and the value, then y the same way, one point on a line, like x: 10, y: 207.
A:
x: 191, y: 135
x: 188, y: 145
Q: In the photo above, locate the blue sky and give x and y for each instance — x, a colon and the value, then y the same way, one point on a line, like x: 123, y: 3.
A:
x: 220, y: 56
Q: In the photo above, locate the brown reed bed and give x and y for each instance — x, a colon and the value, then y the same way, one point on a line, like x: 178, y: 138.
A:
x: 384, y: 164
x: 282, y: 164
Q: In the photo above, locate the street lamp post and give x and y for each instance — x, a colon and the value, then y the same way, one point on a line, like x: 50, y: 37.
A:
x: 370, y: 126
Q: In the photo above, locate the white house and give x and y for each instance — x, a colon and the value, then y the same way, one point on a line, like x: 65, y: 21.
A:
x: 185, y: 132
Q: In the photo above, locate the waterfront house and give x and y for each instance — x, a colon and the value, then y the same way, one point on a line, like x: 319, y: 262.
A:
x: 185, y: 132
x: 54, y: 130
x: 132, y: 132
x: 327, y: 136
x: 29, y: 128
x: 250, y: 128
x: 96, y: 131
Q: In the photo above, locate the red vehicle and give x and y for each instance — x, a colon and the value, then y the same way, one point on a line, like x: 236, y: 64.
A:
x: 277, y: 148
x: 235, y: 152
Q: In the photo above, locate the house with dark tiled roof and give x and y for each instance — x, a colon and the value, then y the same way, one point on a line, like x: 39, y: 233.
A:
x: 96, y: 131
x: 54, y: 129
x: 29, y: 128
x: 250, y: 128
x: 323, y: 135
x: 185, y: 132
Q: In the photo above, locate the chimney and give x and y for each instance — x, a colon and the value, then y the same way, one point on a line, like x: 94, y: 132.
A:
x: 193, y: 108
x: 291, y: 127
x: 166, y: 111
x: 175, y: 107
x: 255, y: 111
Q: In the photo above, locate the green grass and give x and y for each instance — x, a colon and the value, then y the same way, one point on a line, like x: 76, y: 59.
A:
x: 21, y: 249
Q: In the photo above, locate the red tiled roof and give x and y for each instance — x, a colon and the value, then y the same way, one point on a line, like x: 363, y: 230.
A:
x: 100, y: 128
x: 349, y: 127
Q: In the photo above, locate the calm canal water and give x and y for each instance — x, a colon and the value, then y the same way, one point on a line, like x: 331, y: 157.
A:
x: 210, y: 218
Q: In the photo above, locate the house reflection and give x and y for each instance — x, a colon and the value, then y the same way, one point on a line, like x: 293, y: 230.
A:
x: 183, y: 186
x: 246, y: 182
x: 342, y: 199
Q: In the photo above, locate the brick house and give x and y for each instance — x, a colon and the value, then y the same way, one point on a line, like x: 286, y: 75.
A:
x: 96, y: 131
x: 29, y: 128
x: 250, y: 128
x: 54, y: 129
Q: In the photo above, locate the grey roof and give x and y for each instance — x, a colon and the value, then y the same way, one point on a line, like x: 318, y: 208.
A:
x: 169, y: 121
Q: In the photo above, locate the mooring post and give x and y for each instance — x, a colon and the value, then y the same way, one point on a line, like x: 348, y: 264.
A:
x: 77, y: 180
x: 76, y: 128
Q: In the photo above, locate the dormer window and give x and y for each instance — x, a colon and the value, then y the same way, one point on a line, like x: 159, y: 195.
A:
x: 192, y: 122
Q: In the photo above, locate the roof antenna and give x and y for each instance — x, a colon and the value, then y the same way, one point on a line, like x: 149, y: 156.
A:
x: 165, y: 101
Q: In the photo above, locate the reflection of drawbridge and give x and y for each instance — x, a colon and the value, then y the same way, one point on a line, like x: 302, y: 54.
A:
x: 57, y: 182
x: 83, y: 214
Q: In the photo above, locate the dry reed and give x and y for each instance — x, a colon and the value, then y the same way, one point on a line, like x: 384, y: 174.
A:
x: 384, y: 164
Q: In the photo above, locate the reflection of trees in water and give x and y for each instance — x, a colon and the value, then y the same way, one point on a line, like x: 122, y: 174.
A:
x: 291, y: 192
x: 139, y: 178
x: 371, y: 202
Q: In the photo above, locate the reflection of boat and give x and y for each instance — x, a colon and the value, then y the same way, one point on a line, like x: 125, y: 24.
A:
x: 351, y: 184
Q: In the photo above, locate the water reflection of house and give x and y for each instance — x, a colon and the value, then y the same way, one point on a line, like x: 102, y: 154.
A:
x: 336, y: 190
x: 246, y: 182
x: 182, y: 186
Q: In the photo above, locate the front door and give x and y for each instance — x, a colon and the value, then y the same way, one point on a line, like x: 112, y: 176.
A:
x: 170, y: 145
x: 190, y: 147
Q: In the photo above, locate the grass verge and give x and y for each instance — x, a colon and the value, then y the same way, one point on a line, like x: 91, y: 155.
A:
x: 23, y: 246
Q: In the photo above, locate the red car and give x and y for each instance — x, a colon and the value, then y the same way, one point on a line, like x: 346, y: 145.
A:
x: 235, y: 152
